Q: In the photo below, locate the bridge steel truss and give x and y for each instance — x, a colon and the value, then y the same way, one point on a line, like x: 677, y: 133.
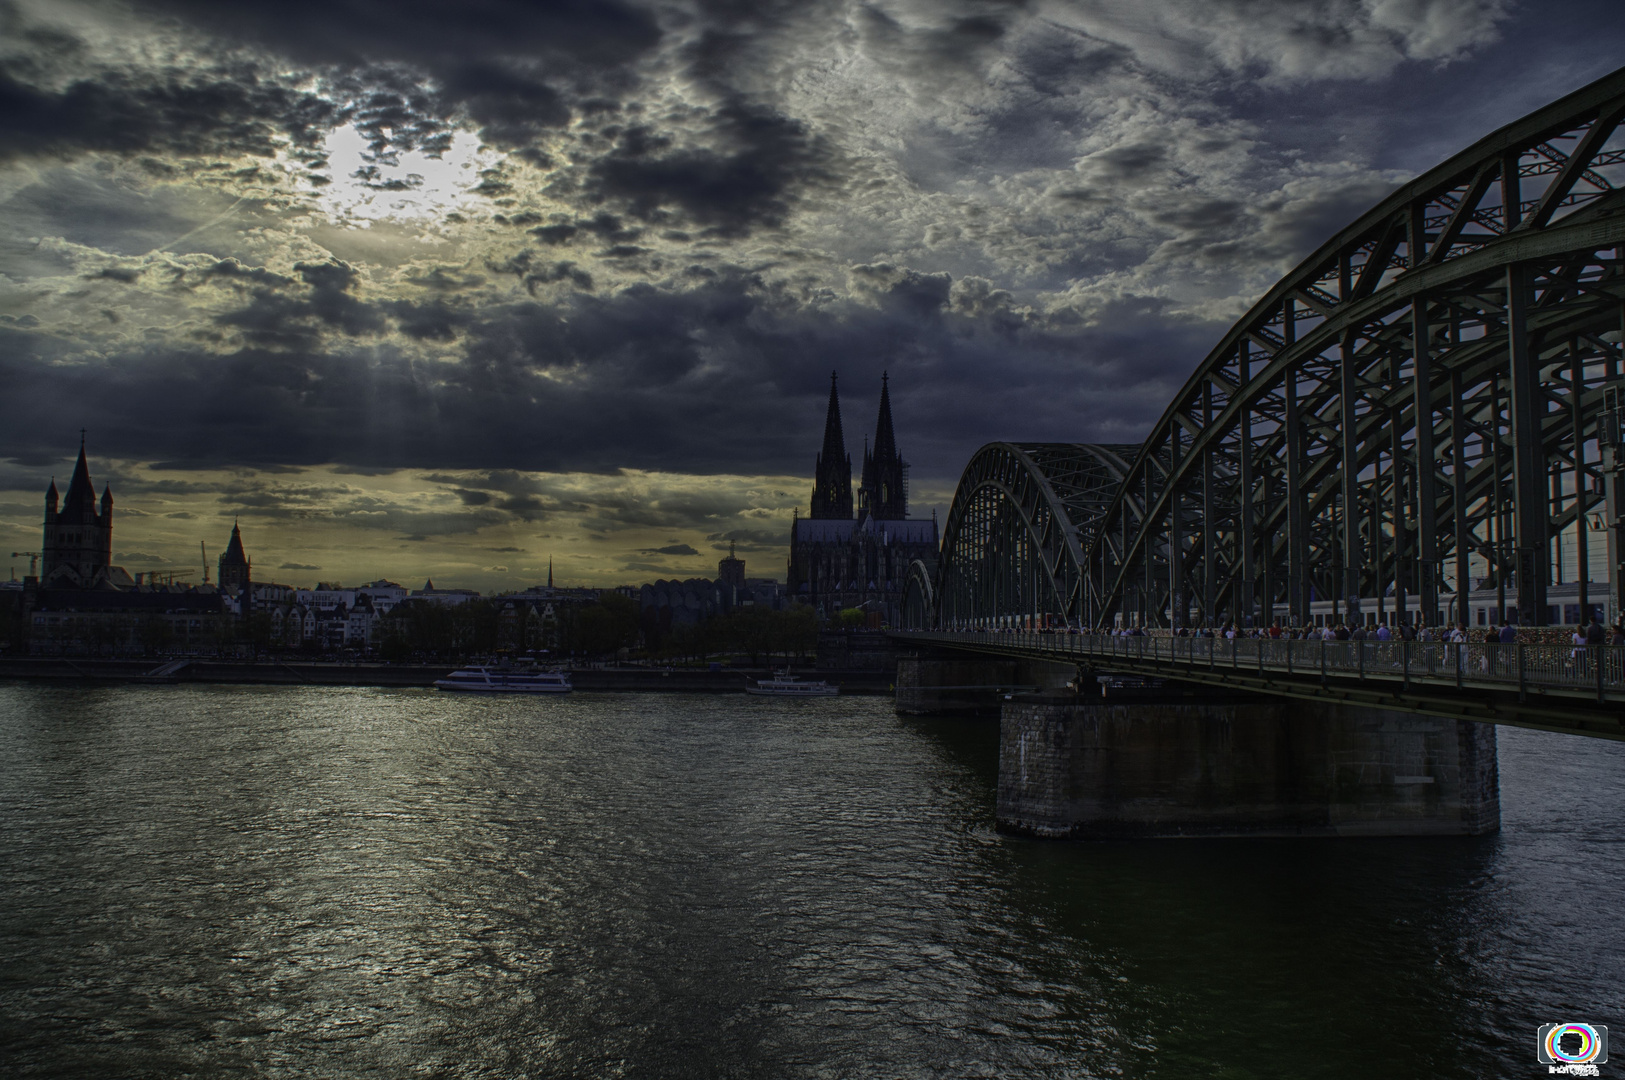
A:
x: 1418, y: 406
x: 1014, y: 540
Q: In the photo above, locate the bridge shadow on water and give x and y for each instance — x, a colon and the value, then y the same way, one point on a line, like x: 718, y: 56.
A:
x: 1255, y: 958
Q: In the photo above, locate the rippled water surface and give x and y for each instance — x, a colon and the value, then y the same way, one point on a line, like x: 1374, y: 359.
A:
x: 357, y: 882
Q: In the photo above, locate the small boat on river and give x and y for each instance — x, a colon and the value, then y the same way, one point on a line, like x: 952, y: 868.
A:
x: 506, y: 680
x: 786, y: 685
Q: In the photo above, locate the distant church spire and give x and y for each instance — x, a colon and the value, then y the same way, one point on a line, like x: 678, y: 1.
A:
x: 234, y: 567
x: 550, y: 571
x: 884, y: 491
x: 832, y: 477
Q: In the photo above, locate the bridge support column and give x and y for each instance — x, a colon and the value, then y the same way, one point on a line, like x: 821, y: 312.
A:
x: 964, y: 684
x: 1074, y: 767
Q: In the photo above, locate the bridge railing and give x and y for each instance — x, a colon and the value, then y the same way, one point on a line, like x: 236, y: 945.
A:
x: 1588, y: 669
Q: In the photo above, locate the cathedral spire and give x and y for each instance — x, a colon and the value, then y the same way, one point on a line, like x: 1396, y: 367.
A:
x: 832, y: 482
x: 885, y: 437
x: 884, y: 495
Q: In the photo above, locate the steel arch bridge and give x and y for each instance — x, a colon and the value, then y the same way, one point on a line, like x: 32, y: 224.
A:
x: 1016, y: 534
x: 1424, y: 405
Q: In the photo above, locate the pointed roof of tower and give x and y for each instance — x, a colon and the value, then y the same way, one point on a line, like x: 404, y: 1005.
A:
x: 234, y: 551
x: 885, y: 437
x: 80, y: 488
x: 834, y: 440
x: 832, y: 482
x: 550, y: 572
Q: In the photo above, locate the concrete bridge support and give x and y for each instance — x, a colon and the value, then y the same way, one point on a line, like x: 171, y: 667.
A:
x: 964, y: 684
x: 1164, y: 765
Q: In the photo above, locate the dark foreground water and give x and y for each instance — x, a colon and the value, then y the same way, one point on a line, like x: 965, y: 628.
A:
x: 336, y: 882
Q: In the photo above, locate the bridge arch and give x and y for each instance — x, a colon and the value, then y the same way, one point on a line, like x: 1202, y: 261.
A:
x: 1021, y: 519
x: 1419, y: 409
x: 919, y: 606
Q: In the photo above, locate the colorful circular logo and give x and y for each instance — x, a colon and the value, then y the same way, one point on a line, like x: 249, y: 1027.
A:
x: 1589, y: 1044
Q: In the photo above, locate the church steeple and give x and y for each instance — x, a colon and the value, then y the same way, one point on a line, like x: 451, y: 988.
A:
x: 832, y: 476
x: 78, y: 540
x: 884, y: 493
x: 234, y: 566
x: 81, y: 490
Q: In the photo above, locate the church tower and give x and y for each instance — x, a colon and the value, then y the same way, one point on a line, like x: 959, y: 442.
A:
x: 78, y: 547
x: 883, y: 494
x: 832, y: 476
x: 234, y: 566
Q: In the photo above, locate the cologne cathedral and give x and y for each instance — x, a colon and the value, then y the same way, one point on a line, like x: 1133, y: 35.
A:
x: 845, y: 559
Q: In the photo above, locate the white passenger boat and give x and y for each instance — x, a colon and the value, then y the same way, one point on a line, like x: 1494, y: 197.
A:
x: 787, y: 685
x: 500, y: 680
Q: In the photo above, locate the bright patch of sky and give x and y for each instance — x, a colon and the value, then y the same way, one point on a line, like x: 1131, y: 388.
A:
x: 412, y: 186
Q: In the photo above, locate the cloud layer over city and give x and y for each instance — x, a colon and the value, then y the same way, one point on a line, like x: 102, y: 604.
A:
x: 412, y: 287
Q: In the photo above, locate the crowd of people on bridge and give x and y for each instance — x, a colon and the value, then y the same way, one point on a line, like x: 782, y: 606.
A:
x: 1592, y: 632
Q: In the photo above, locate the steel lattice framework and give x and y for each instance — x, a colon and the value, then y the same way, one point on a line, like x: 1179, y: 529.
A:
x: 1418, y: 407
x: 1021, y: 520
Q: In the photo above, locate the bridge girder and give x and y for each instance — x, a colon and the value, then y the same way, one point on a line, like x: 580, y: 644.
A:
x: 1020, y: 521
x: 1417, y: 406
x: 1485, y: 298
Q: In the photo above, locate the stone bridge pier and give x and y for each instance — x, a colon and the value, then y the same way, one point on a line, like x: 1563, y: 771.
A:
x: 1166, y: 765
x: 1081, y: 760
x: 953, y: 683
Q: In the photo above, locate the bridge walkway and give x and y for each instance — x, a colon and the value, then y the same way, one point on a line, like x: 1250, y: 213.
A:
x: 1574, y: 689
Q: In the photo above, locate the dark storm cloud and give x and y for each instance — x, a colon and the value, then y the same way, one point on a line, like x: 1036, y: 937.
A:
x: 224, y: 110
x: 1064, y: 334
x: 512, y: 106
x: 123, y: 274
x: 748, y: 540
x: 275, y: 318
x: 233, y: 271
x: 672, y: 549
x: 533, y: 270
x: 728, y: 376
x: 511, y: 66
x: 745, y: 182
x: 356, y: 32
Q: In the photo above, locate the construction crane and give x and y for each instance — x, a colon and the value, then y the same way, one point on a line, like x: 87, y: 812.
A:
x: 31, y: 556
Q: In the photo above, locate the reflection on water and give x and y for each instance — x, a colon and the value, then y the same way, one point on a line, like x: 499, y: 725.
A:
x: 359, y: 882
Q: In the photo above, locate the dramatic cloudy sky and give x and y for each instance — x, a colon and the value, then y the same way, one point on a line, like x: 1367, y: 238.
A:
x: 421, y: 287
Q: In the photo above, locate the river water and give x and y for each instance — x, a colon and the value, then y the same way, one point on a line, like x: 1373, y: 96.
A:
x: 280, y: 882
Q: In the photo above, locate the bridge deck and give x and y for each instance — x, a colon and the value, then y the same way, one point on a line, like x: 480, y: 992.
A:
x: 1569, y: 688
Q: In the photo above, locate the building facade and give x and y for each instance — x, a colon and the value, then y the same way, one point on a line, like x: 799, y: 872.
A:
x: 844, y: 557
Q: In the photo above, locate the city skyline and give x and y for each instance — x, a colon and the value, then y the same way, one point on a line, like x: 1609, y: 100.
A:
x: 415, y: 295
